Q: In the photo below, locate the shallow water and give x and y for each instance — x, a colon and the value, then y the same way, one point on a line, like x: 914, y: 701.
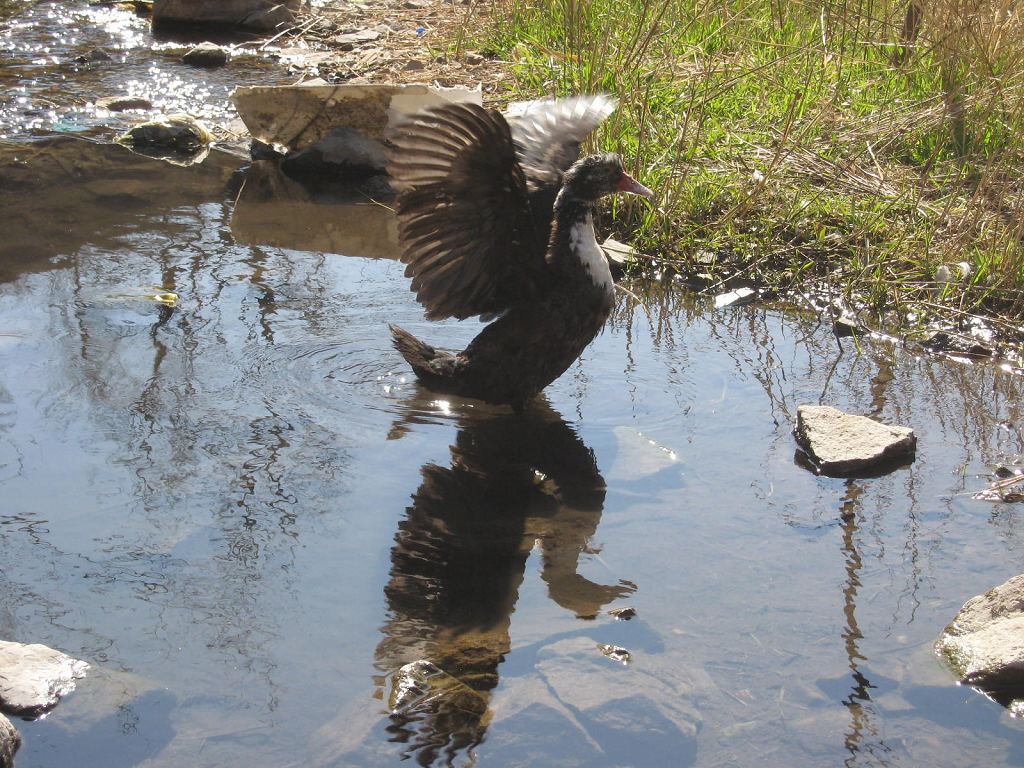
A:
x: 58, y: 58
x: 247, y: 517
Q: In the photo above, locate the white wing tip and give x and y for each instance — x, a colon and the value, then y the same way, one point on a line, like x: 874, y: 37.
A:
x: 599, y: 102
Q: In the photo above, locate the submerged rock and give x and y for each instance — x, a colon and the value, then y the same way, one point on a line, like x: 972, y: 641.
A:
x: 259, y: 15
x: 93, y: 724
x: 844, y: 444
x: 207, y: 55
x: 176, y: 133
x: 643, y: 708
x: 93, y: 56
x: 123, y: 103
x: 956, y: 344
x: 34, y: 677
x: 422, y: 685
x: 10, y: 740
x: 984, y: 644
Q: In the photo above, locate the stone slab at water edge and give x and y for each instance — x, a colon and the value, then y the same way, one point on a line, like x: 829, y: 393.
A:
x: 34, y: 677
x: 984, y: 644
x: 298, y: 116
x: 844, y: 444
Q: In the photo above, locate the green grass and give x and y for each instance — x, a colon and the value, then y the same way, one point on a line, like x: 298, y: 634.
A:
x: 794, y: 143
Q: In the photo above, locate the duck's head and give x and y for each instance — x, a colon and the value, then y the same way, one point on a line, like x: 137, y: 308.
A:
x: 595, y: 176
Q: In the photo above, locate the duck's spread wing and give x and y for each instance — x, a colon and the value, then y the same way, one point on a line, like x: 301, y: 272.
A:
x: 548, y: 133
x: 463, y: 213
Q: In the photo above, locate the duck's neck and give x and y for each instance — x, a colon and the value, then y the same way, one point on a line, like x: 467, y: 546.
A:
x: 573, y: 234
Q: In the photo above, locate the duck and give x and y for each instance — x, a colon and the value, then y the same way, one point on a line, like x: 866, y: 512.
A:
x: 496, y: 220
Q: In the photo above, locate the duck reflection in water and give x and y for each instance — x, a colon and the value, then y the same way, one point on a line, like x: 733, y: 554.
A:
x: 459, y: 559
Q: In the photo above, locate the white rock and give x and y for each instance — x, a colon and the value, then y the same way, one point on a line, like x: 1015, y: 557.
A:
x: 638, y: 457
x: 34, y: 677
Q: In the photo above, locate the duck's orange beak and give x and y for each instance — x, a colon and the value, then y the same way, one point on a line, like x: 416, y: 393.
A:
x: 628, y: 184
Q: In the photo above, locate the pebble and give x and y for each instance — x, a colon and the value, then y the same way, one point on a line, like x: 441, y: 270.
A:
x: 616, y: 653
x: 206, y: 55
x: 623, y: 614
x: 96, y: 54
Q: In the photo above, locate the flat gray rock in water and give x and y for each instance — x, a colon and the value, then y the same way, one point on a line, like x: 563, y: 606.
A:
x: 844, y: 444
x: 34, y: 677
x: 984, y: 645
x: 10, y: 740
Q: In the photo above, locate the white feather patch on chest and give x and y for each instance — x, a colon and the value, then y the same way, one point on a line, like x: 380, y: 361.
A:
x: 583, y: 243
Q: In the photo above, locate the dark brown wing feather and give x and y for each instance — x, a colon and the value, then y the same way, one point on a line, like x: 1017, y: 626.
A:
x: 464, y: 220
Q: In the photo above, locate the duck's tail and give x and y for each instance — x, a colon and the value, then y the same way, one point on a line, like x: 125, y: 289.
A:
x: 427, y: 362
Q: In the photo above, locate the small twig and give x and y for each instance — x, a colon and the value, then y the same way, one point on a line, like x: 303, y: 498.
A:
x: 881, y: 176
x: 992, y: 488
x: 296, y: 30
